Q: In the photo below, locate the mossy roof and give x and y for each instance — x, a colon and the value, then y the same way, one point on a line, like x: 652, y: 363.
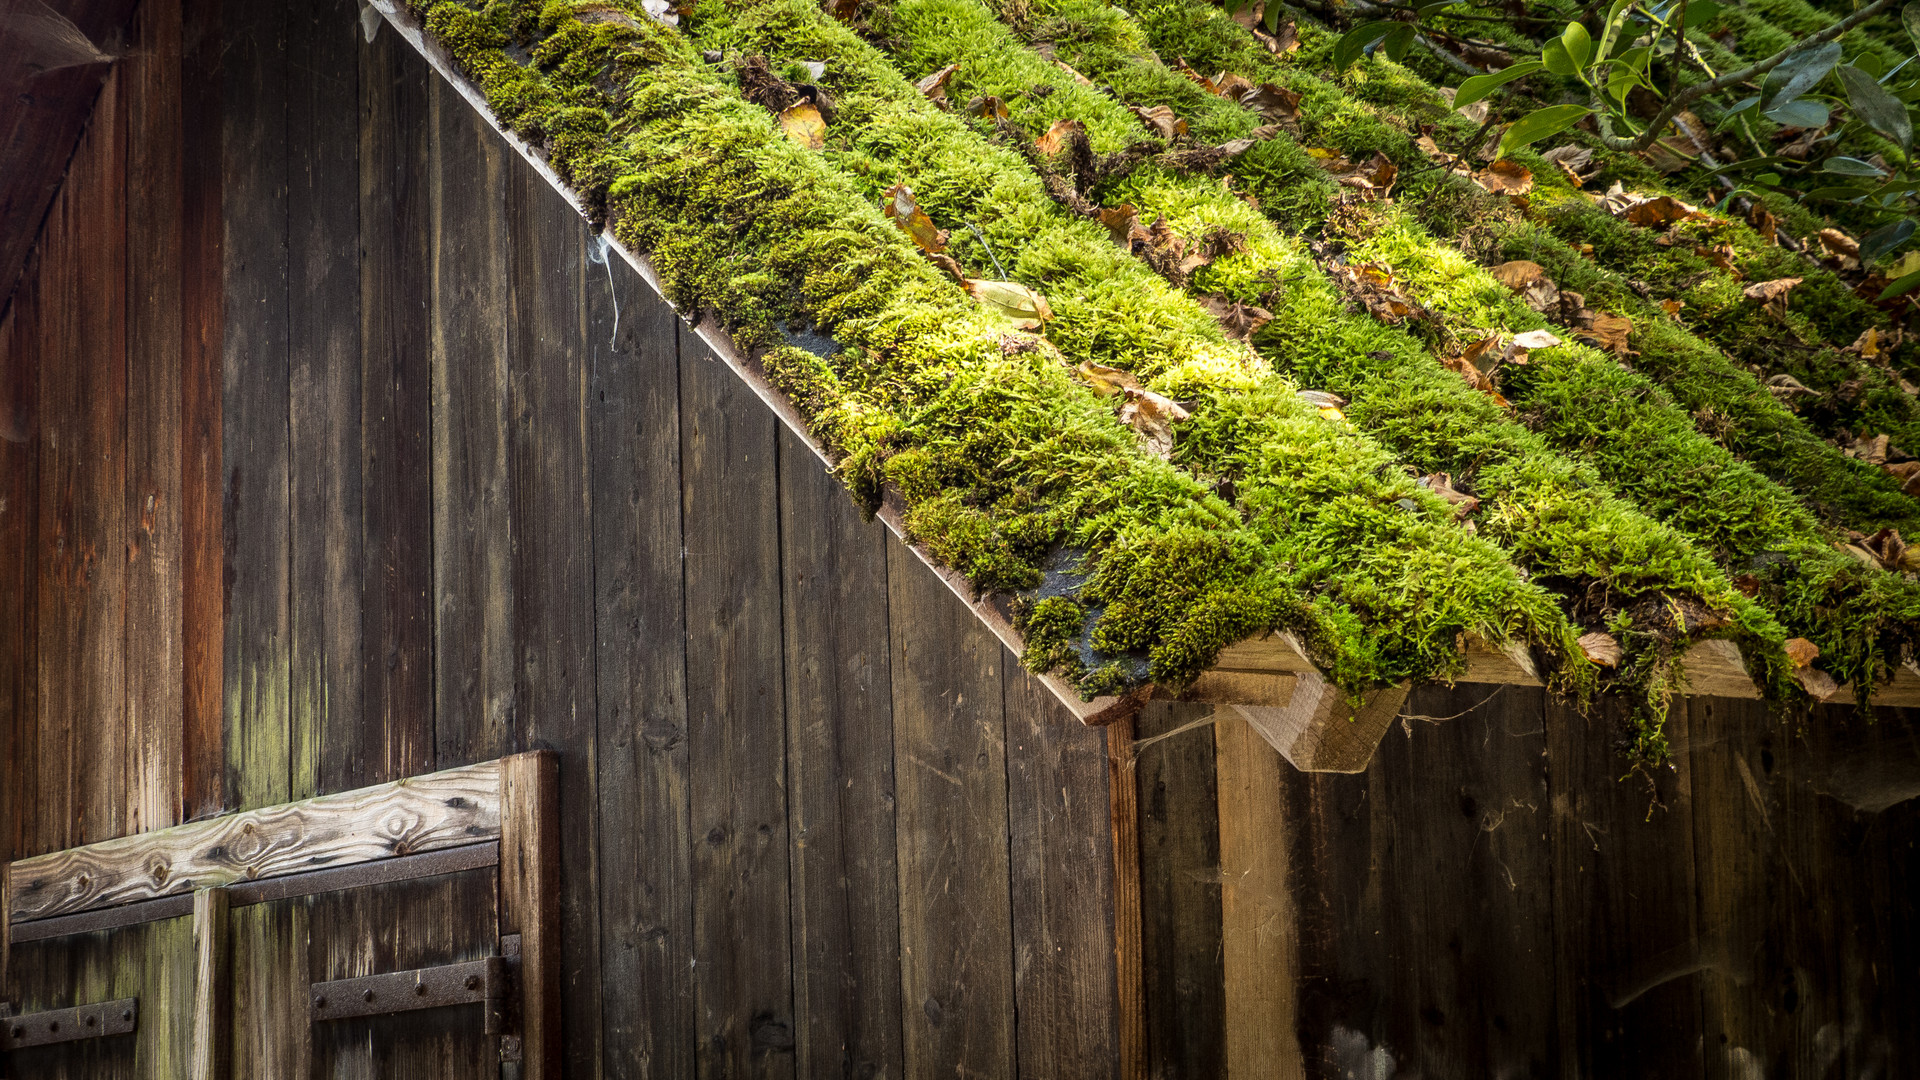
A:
x: 1242, y: 406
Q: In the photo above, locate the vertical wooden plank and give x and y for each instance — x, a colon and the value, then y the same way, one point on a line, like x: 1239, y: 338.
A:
x: 149, y: 82
x: 330, y: 750
x: 1624, y: 902
x: 949, y: 743
x: 553, y: 560
x: 212, y: 986
x: 1259, y: 926
x: 271, y: 971
x: 84, y: 489
x: 1123, y: 813
x: 736, y: 738
x: 1065, y: 986
x: 646, y: 905
x: 395, y: 736
x: 19, y: 554
x: 530, y: 868
x: 202, y: 324
x: 255, y: 423
x: 472, y: 629
x: 846, y: 904
x: 1180, y: 894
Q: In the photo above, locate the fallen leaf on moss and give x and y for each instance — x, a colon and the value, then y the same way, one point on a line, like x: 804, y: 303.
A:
x: 1679, y: 150
x: 1123, y: 224
x: 1441, y: 484
x: 1839, y: 244
x: 844, y: 10
x: 1240, y: 146
x: 1330, y: 160
x: 1536, y: 339
x: 1027, y: 309
x: 1770, y: 291
x: 1672, y: 307
x: 989, y: 108
x: 1373, y: 286
x: 1505, y: 177
x: 662, y: 10
x: 1240, y: 321
x: 1329, y: 405
x: 902, y: 210
x: 1907, y: 473
x: 1161, y: 121
x: 934, y: 86
x: 951, y: 266
x: 1764, y: 223
x: 1530, y: 280
x: 1571, y: 160
x: 1787, y: 386
x: 1282, y: 41
x: 1890, y: 551
x: 1871, y: 449
x: 1867, y: 344
x: 1818, y: 684
x: 1801, y: 652
x: 1748, y: 585
x: 1272, y: 102
x: 1601, y: 649
x: 1152, y: 416
x: 1721, y: 256
x: 1660, y: 210
x: 1059, y: 135
x: 1226, y: 84
x: 1610, y: 332
x: 1077, y: 77
x: 1251, y: 15
x: 1106, y: 381
x: 803, y: 125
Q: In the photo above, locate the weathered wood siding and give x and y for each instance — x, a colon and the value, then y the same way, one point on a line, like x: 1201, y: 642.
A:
x: 337, y: 453
x: 1498, y: 895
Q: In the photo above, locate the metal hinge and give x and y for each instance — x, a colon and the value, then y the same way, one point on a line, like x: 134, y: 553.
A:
x: 476, y: 982
x: 69, y: 1025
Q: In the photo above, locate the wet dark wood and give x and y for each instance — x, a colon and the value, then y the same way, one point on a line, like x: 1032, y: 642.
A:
x: 646, y: 913
x: 1123, y: 814
x: 531, y: 881
x: 1065, y: 990
x: 840, y: 769
x: 950, y: 754
x: 19, y: 553
x: 552, y: 575
x: 1180, y: 894
x: 736, y: 735
x: 331, y: 748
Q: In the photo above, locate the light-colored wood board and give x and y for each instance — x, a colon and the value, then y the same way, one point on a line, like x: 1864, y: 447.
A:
x: 1320, y: 730
x: 1259, y: 926
x: 1715, y: 669
x: 212, y: 986
x: 1902, y: 691
x: 406, y: 817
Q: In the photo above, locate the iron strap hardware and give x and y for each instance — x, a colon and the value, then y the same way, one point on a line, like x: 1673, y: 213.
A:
x: 69, y: 1025
x: 476, y: 982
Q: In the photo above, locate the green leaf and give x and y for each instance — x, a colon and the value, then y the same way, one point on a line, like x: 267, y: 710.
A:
x: 1539, y: 124
x: 1841, y: 193
x: 1397, y: 41
x: 1910, y: 18
x: 1800, y: 114
x: 1578, y: 45
x: 1558, y: 60
x: 1851, y: 166
x: 1353, y: 44
x: 1800, y: 72
x: 1741, y: 106
x: 1479, y: 86
x: 1700, y: 11
x: 1885, y: 239
x: 1901, y: 286
x: 1610, y: 29
x: 1426, y: 10
x: 1881, y: 110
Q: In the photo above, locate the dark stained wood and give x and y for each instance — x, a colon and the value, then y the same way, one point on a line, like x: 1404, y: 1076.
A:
x: 212, y: 999
x: 256, y: 514
x: 531, y: 868
x: 153, y: 963
x: 646, y: 912
x: 736, y: 737
x: 19, y: 555
x: 1180, y: 894
x: 149, y: 84
x: 395, y: 735
x: 1259, y: 923
x: 1123, y: 813
x: 83, y: 499
x: 552, y: 576
x: 1065, y: 989
x: 1624, y: 902
x: 202, y: 323
x: 331, y: 748
x: 270, y: 954
x: 840, y: 769
x: 472, y: 593
x: 46, y: 96
x: 949, y: 740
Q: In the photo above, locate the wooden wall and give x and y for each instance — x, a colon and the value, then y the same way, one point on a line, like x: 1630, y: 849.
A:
x: 1499, y: 895
x: 335, y: 457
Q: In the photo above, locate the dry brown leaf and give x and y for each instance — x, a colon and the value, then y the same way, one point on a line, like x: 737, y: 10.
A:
x: 1027, y: 309
x: 1786, y: 386
x: 1839, y: 244
x: 1530, y: 280
x: 1161, y: 121
x: 1077, y: 77
x: 1679, y: 150
x: 1123, y: 223
x: 844, y: 10
x: 1660, y: 210
x: 951, y: 266
x: 1721, y: 256
x: 1764, y: 223
x: 1441, y: 484
x: 1818, y: 684
x: 1272, y: 102
x: 1152, y: 416
x: 1601, y: 649
x: 803, y: 125
x: 1907, y: 473
x: 1867, y: 344
x: 1240, y: 321
x: 1505, y: 177
x: 1106, y: 381
x: 1282, y: 41
x: 934, y: 86
x: 988, y: 108
x: 1890, y: 551
x: 1571, y: 159
x: 904, y: 211
x: 1610, y: 332
x: 1226, y: 84
x: 1770, y: 291
x: 1672, y: 307
x: 1801, y: 652
x: 1871, y: 449
x: 1059, y: 135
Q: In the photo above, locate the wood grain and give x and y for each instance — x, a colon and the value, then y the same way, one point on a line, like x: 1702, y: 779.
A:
x: 1123, y: 801
x: 646, y: 913
x: 425, y: 813
x: 1320, y: 729
x: 530, y: 861
x: 949, y: 738
x: 212, y: 986
x: 840, y: 773
x: 1065, y: 984
x: 736, y: 737
x: 1259, y: 926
